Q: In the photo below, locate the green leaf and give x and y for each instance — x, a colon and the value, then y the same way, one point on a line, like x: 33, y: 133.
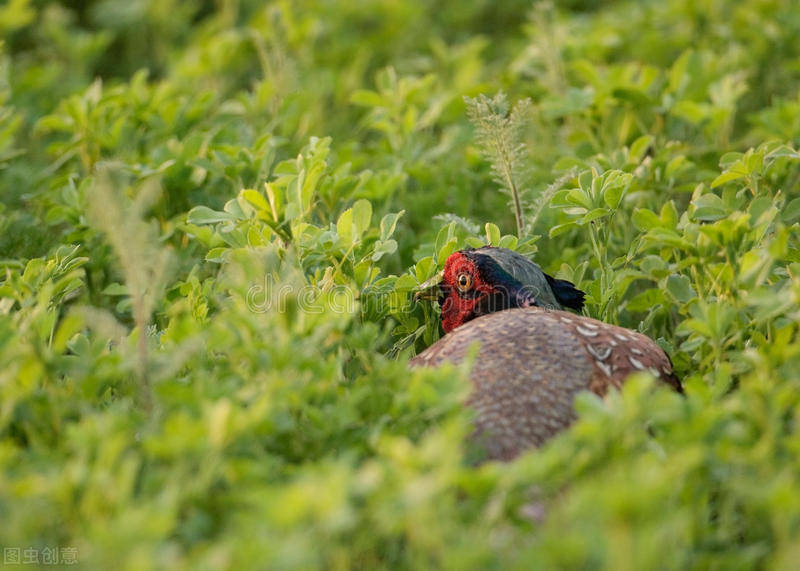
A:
x: 492, y: 234
x: 508, y: 241
x: 406, y: 282
x: 678, y: 76
x: 383, y: 248
x: 362, y: 216
x: 669, y: 215
x: 233, y: 208
x: 636, y: 96
x: 791, y: 211
x: 559, y: 229
x: 709, y: 207
x: 639, y: 148
x: 366, y: 98
x: 680, y: 287
x: 594, y: 215
x: 646, y: 300
x: 692, y: 111
x: 425, y: 268
x: 444, y: 235
x: 728, y: 176
x: 115, y: 289
x: 579, y: 197
x: 448, y: 248
x: 729, y: 159
x: 201, y: 215
x: 645, y: 219
x: 256, y: 199
x: 344, y: 227
x: 612, y: 194
x: 389, y: 223
x: 217, y: 255
x: 676, y: 165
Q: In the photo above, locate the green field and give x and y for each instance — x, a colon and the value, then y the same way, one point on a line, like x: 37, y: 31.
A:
x: 213, y: 216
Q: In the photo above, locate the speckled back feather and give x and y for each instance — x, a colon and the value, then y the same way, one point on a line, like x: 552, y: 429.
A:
x: 530, y: 365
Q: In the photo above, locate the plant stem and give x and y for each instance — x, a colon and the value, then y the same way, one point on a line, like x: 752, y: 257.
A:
x: 512, y: 186
x: 141, y: 345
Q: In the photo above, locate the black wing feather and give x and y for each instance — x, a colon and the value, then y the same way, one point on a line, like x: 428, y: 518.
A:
x: 566, y: 293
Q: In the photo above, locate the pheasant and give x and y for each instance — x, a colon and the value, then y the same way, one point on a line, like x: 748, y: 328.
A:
x: 532, y: 360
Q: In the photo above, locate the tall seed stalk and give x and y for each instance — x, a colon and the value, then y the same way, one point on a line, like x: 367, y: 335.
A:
x: 141, y: 258
x: 500, y: 135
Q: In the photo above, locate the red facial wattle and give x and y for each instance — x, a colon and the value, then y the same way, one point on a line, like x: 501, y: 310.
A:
x: 458, y: 309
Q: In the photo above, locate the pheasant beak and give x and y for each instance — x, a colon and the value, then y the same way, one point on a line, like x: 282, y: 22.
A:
x: 430, y: 289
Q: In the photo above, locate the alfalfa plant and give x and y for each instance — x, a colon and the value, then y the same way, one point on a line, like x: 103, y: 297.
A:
x: 500, y: 133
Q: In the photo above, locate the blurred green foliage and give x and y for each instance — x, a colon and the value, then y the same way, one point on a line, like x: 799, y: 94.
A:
x: 212, y: 218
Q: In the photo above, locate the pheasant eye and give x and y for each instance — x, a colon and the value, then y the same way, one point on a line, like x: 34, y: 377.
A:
x: 464, y: 281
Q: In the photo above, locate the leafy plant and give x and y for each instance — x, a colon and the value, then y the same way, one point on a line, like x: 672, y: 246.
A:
x: 213, y: 219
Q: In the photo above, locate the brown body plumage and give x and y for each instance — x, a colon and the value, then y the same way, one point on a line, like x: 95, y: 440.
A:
x: 530, y: 364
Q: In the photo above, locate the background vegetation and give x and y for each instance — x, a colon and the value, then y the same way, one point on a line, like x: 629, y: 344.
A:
x: 167, y: 168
